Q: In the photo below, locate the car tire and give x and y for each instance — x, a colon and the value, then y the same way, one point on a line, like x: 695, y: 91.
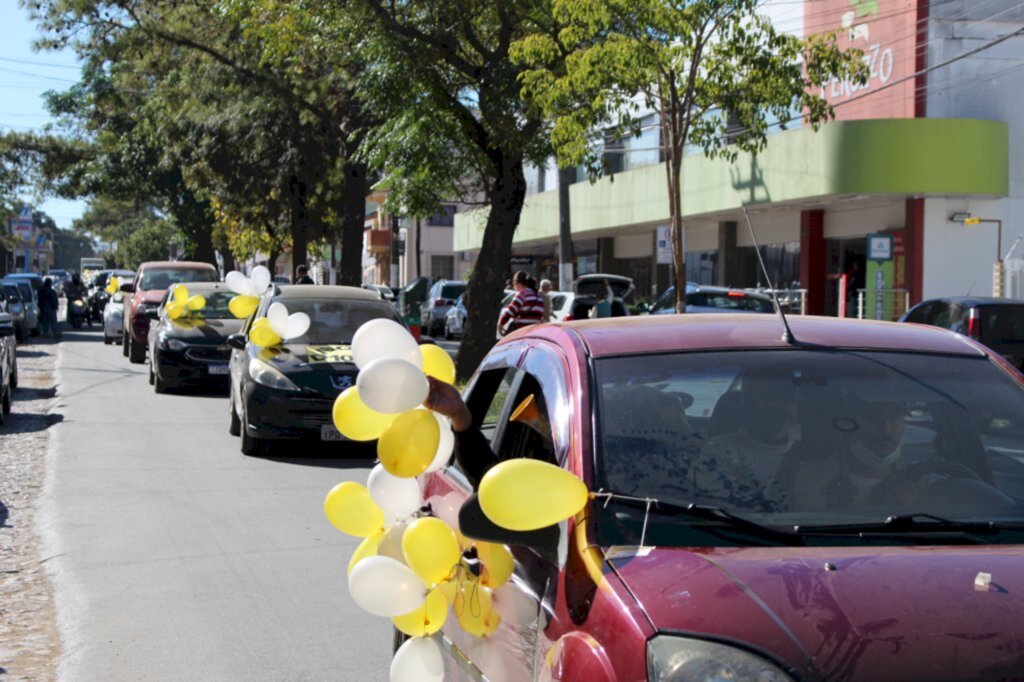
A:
x: 19, y: 334
x: 159, y: 385
x: 34, y: 332
x: 5, y: 408
x: 250, y: 446
x: 14, y: 376
x: 152, y: 376
x: 136, y: 352
x: 124, y: 345
x: 235, y: 424
x: 447, y: 331
x: 107, y: 340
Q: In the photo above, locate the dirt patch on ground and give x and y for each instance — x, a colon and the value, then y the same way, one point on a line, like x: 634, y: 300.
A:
x: 29, y: 638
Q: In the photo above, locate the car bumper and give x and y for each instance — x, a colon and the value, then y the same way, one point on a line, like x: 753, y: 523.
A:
x: 285, y: 415
x: 184, y: 367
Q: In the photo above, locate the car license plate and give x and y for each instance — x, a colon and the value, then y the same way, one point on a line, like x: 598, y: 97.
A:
x: 218, y: 369
x: 328, y: 432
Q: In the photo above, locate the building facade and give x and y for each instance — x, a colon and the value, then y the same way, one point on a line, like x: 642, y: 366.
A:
x: 936, y: 133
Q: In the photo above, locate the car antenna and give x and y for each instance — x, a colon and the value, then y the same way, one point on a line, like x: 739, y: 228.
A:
x: 787, y: 334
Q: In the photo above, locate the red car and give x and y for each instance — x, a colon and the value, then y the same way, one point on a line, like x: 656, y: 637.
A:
x: 848, y: 506
x: 152, y: 280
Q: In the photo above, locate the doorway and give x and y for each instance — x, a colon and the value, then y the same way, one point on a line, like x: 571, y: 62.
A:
x: 844, y: 256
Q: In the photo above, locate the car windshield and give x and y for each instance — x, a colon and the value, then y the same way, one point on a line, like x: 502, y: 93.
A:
x: 729, y: 300
x: 26, y: 290
x: 812, y: 437
x: 334, y: 320
x: 163, y: 278
x: 216, y: 307
x: 11, y: 293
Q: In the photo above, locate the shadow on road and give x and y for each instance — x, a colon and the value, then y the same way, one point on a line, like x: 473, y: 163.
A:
x: 327, y: 455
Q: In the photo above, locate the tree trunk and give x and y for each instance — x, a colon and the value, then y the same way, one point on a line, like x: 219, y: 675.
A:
x: 350, y: 271
x: 484, y: 293
x: 272, y: 262
x: 678, y: 233
x: 566, y: 176
x: 419, y: 248
x: 300, y: 240
x: 203, y: 250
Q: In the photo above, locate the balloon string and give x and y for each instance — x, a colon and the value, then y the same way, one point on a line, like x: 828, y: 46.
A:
x: 648, y: 501
x: 475, y: 597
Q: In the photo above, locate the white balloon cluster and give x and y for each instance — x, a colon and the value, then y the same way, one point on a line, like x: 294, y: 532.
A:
x: 254, y: 285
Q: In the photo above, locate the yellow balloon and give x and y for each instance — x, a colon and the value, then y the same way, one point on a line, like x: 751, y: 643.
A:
x: 180, y: 293
x: 357, y: 421
x: 113, y: 285
x: 351, y: 510
x: 437, y: 363
x: 527, y: 494
x: 368, y: 547
x: 262, y: 335
x: 175, y: 310
x: 196, y: 302
x: 430, y: 549
x: 408, y: 445
x: 243, y: 306
x: 498, y: 564
x: 450, y: 589
x: 427, y: 619
x: 474, y: 609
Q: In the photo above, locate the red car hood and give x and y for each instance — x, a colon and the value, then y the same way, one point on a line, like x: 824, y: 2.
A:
x: 910, y: 613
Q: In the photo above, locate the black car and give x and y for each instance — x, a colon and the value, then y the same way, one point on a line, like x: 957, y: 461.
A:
x: 192, y: 350
x: 8, y: 364
x: 996, y: 322
x: 287, y: 392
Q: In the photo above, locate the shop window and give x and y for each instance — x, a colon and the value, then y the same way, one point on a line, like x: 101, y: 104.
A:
x: 442, y: 267
x: 445, y: 217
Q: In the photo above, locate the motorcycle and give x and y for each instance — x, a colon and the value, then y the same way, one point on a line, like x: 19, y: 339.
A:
x: 77, y: 313
x: 97, y: 301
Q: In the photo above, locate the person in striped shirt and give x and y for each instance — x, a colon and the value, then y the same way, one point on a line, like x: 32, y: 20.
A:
x: 526, y: 307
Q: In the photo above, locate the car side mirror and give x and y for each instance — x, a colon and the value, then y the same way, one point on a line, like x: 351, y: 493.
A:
x: 128, y: 288
x: 152, y: 313
x: 237, y: 341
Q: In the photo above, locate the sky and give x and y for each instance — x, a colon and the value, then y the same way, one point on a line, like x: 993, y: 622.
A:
x: 24, y: 76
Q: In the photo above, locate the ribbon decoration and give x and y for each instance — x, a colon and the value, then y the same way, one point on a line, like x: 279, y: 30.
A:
x: 249, y: 290
x: 181, y: 304
x: 278, y: 326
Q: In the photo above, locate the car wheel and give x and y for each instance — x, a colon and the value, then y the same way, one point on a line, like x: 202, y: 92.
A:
x: 160, y: 385
x: 235, y: 424
x: 124, y: 345
x: 447, y: 331
x: 152, y: 375
x: 107, y: 340
x: 250, y: 445
x: 19, y: 334
x: 136, y: 352
x: 14, y: 376
x: 5, y: 409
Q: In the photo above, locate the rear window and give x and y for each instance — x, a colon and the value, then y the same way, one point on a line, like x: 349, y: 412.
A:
x: 729, y: 301
x: 335, y: 321
x: 26, y: 290
x: 1002, y: 323
x: 452, y: 291
x: 163, y: 278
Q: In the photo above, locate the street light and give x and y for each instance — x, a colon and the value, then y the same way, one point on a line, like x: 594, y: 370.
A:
x: 969, y: 219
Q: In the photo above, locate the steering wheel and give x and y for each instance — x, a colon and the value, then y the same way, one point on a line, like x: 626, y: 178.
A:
x: 903, y: 485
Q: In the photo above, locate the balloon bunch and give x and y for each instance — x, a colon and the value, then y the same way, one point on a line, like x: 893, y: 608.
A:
x: 113, y: 285
x: 249, y: 290
x: 181, y: 304
x: 278, y: 326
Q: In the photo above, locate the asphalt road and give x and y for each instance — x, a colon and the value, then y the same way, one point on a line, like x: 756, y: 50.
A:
x: 176, y: 557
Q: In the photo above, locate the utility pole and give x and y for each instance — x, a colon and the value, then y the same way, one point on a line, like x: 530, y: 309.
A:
x: 566, y: 176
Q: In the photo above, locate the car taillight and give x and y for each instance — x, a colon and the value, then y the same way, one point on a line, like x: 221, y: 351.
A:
x: 568, y: 318
x: 440, y: 301
x: 736, y: 294
x: 974, y: 324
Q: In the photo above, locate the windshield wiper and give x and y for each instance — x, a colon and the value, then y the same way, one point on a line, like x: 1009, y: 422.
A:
x: 910, y: 524
x: 726, y: 518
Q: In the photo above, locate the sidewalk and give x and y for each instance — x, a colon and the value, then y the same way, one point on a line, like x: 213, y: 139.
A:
x: 29, y: 638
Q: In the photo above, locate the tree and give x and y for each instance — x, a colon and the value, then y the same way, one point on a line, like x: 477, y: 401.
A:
x: 718, y: 75
x: 136, y: 232
x: 447, y: 98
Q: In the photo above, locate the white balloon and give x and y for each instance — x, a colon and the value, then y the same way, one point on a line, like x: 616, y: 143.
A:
x: 277, y: 316
x: 515, y: 606
x: 385, y: 587
x: 390, y: 544
x: 392, y: 386
x: 445, y: 446
x: 418, y: 660
x: 397, y: 497
x: 297, y: 325
x: 383, y: 338
x: 238, y: 283
x: 260, y: 280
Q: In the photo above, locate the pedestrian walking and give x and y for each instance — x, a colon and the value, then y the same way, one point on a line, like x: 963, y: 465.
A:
x: 302, y: 275
x: 526, y: 307
x: 48, y: 304
x: 545, y: 295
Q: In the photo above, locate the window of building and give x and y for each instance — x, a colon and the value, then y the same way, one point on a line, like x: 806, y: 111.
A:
x: 442, y: 267
x: 445, y: 217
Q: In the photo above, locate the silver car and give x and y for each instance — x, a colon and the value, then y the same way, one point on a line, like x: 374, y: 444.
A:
x: 30, y: 302
x: 440, y: 300
x: 113, y: 322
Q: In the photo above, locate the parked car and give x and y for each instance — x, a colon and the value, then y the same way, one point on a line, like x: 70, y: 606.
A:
x: 287, y: 392
x: 192, y: 350
x: 439, y: 301
x: 455, y: 319
x: 386, y: 293
x: 996, y: 322
x: 702, y: 298
x: 145, y: 293
x: 8, y: 365
x: 30, y: 302
x: 585, y: 292
x: 113, y: 318
x: 16, y: 308
x: 848, y: 506
x: 98, y: 296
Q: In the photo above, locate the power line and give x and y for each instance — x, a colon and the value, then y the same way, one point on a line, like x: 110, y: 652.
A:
x: 35, y: 63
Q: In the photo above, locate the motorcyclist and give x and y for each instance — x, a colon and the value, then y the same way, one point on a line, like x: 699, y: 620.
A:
x: 76, y: 291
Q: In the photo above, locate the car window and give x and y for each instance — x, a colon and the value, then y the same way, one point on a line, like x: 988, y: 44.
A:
x: 1001, y: 323
x: 667, y: 300
x: 452, y: 291
x: 26, y: 291
x: 163, y: 278
x: 492, y: 417
x: 924, y: 313
x: 334, y: 320
x: 730, y: 300
x: 546, y: 367
x: 814, y: 436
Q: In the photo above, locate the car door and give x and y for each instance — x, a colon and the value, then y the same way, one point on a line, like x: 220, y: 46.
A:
x: 238, y: 364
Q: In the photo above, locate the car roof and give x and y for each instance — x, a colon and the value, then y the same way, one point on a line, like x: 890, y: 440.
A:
x: 182, y: 264
x: 649, y: 334
x: 23, y: 275
x: 307, y: 291
x: 969, y: 301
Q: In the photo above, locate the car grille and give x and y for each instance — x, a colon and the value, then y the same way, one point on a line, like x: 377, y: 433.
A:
x: 209, y: 353
x: 314, y: 416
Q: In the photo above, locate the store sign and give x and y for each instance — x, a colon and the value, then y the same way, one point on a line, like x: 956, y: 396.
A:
x: 521, y: 260
x: 664, y: 236
x: 21, y: 226
x: 879, y: 298
x: 880, y: 247
x: 885, y: 31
